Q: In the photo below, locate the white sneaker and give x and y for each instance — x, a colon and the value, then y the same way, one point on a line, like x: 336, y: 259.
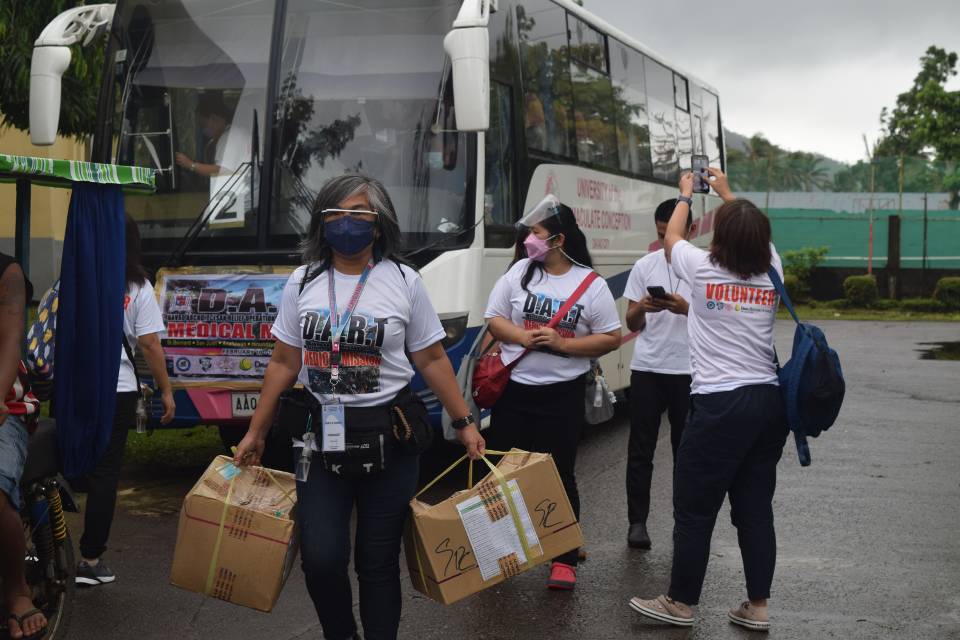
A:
x: 750, y: 617
x: 663, y: 609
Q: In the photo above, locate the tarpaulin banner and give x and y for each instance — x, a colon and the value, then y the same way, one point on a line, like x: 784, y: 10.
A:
x: 218, y: 324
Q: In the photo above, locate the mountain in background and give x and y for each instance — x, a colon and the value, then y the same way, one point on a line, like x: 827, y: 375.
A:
x: 741, y: 142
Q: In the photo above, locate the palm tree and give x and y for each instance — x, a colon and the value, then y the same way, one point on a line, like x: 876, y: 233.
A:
x: 806, y: 171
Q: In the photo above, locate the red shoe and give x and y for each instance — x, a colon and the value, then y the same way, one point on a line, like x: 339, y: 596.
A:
x: 562, y: 577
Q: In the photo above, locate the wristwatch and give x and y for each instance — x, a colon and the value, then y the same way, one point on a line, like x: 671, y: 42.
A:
x: 193, y: 167
x: 464, y: 422
x: 687, y: 199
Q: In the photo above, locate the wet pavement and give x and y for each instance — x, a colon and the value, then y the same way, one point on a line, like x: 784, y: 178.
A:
x: 868, y: 536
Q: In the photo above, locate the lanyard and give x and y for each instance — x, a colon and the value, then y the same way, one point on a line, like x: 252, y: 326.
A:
x: 337, y: 328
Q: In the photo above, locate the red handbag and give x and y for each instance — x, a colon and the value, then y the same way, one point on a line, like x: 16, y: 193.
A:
x: 490, y: 376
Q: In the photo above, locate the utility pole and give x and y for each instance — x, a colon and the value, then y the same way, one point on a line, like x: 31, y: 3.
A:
x: 923, y: 275
x: 873, y: 184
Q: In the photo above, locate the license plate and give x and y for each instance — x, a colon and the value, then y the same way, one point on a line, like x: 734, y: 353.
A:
x: 244, y: 404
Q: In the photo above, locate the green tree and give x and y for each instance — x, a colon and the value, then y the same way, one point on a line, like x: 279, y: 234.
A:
x: 926, y: 119
x: 805, y: 170
x: 21, y: 22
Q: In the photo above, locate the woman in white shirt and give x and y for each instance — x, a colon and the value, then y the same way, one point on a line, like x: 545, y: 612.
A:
x: 142, y: 328
x: 736, y: 428
x: 543, y: 405
x: 346, y: 322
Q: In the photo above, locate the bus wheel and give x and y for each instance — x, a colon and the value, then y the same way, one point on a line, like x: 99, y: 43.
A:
x: 277, y: 454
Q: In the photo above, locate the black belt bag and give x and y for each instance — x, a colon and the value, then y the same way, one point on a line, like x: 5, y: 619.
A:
x: 373, y: 434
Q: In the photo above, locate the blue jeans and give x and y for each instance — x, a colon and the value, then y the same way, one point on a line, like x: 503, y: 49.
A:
x: 326, y: 502
x: 13, y: 455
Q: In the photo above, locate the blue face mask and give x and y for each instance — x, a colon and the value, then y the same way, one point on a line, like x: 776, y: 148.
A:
x: 348, y: 236
x: 207, y: 132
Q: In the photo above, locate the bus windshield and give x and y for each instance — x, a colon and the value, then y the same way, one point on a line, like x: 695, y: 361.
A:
x: 365, y: 87
x: 190, y: 92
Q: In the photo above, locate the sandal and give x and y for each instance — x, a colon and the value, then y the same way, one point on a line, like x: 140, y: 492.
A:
x: 20, y: 620
x: 748, y: 617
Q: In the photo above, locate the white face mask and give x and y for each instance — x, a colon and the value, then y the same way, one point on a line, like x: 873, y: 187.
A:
x: 435, y: 159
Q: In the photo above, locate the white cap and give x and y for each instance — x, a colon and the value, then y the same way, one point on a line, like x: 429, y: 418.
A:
x: 546, y: 208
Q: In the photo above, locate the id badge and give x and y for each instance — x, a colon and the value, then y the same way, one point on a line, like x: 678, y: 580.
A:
x: 334, y: 428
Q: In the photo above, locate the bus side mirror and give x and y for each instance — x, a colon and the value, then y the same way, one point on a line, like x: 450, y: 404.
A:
x: 46, y: 69
x: 469, y: 51
x: 51, y: 57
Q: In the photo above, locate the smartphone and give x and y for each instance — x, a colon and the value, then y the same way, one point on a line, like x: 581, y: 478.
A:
x: 701, y: 183
x: 657, y: 292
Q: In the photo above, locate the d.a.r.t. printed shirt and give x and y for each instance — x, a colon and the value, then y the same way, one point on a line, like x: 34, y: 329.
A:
x: 594, y: 312
x: 730, y: 322
x: 393, y: 313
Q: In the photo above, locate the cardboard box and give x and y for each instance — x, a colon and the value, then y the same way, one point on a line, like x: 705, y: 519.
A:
x: 469, y: 541
x: 248, y: 561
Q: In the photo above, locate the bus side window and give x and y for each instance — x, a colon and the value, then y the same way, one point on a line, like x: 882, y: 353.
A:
x: 545, y: 64
x: 630, y: 94
x: 592, y: 95
x: 711, y: 128
x: 663, y: 122
x: 499, y: 212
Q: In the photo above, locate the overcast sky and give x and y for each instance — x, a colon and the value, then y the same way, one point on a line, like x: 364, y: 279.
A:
x: 811, y: 75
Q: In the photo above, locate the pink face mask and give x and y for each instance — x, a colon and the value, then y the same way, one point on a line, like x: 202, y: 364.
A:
x: 537, y: 248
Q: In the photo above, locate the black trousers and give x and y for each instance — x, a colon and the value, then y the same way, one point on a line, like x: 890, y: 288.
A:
x: 547, y: 419
x: 651, y: 394
x: 382, y: 501
x: 103, y: 480
x: 731, y: 445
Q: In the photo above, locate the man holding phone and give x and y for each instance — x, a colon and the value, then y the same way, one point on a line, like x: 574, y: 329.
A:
x: 660, y: 369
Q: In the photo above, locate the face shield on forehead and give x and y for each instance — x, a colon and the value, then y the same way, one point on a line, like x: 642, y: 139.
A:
x: 547, y: 208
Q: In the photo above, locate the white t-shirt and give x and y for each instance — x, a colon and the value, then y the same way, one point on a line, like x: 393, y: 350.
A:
x: 393, y: 313
x: 594, y: 312
x: 662, y: 345
x: 730, y: 322
x: 141, y: 316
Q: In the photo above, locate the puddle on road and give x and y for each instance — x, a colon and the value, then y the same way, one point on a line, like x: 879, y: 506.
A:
x: 940, y: 350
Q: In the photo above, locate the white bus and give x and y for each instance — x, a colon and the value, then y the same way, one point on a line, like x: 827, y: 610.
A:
x: 543, y: 97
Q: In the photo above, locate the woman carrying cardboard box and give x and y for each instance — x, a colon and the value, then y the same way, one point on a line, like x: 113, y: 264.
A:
x: 346, y: 322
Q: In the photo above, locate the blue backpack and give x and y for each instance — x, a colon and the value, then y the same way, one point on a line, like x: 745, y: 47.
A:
x: 811, y: 382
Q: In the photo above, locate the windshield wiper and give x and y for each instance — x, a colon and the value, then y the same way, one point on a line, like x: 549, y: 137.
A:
x: 224, y: 198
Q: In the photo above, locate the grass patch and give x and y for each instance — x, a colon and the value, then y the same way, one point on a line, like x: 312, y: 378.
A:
x: 822, y: 312
x: 171, y: 450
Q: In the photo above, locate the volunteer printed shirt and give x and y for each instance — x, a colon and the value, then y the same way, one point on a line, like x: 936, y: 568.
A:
x: 730, y: 322
x: 141, y: 317
x: 594, y: 312
x: 393, y: 313
x: 662, y: 346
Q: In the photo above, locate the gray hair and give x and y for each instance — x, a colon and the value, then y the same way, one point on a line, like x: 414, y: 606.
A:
x: 314, y: 247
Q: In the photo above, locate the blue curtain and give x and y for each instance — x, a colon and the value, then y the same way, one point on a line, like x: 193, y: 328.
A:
x: 89, y: 325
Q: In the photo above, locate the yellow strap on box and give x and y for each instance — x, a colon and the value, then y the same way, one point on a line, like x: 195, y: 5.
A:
x: 269, y: 475
x: 453, y: 466
x: 524, y: 543
x: 506, y: 490
x: 212, y: 572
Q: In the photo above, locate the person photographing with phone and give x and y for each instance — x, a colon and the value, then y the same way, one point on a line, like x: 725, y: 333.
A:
x: 660, y: 369
x: 737, y: 426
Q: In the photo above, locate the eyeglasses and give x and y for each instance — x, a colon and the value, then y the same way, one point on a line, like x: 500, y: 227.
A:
x: 360, y: 214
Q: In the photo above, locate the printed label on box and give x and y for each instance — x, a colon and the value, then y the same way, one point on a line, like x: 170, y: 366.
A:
x: 492, y: 532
